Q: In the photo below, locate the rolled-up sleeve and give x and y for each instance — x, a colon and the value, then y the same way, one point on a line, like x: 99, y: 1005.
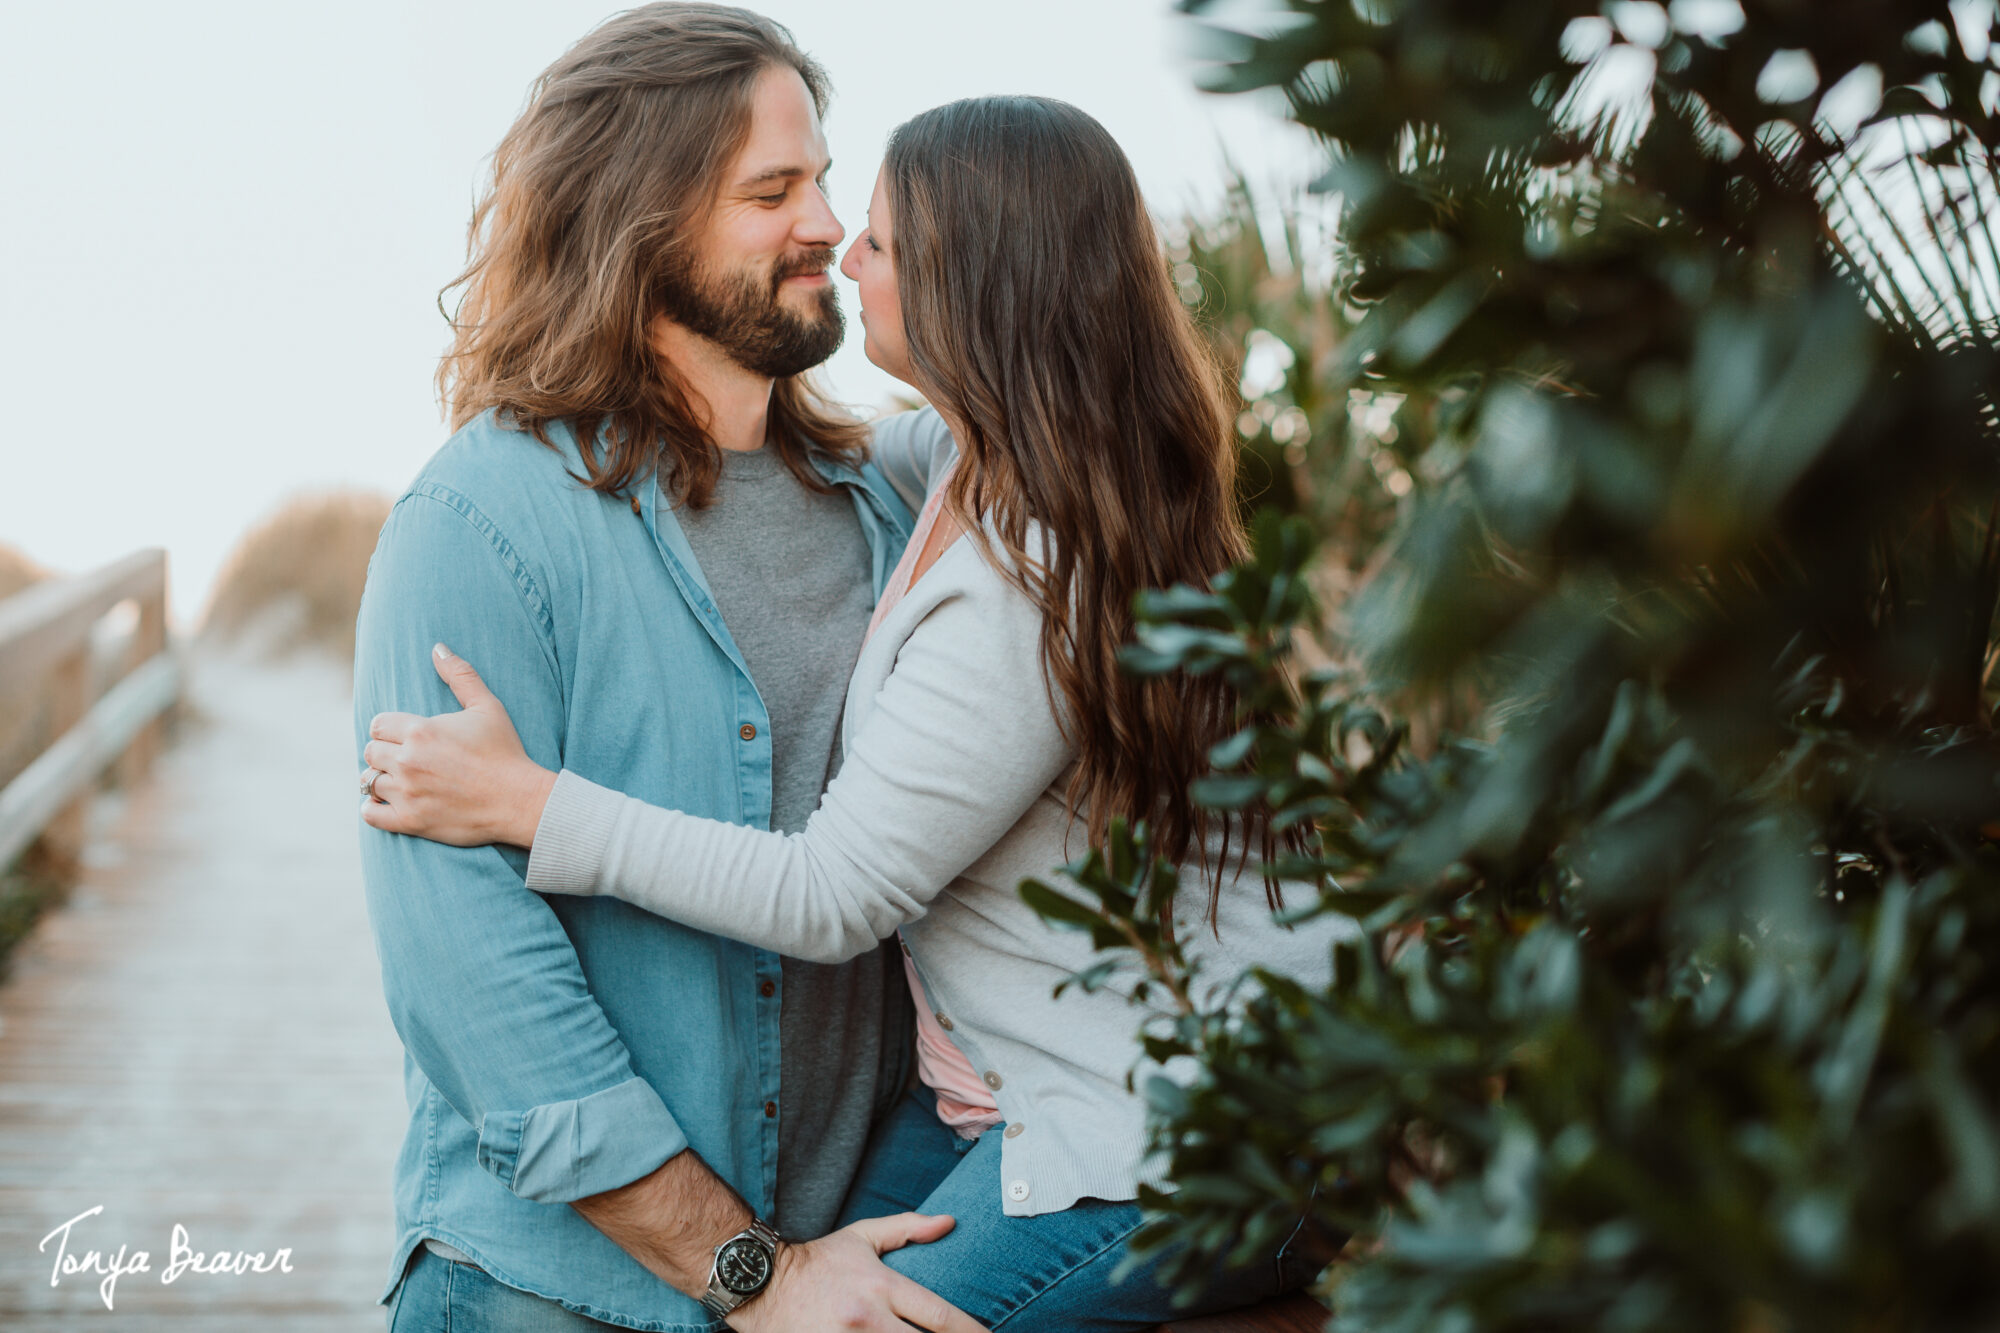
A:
x: 481, y: 979
x: 561, y: 1151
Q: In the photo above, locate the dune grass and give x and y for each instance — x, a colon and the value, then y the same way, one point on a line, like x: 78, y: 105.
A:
x: 25, y: 887
x: 295, y: 580
x: 20, y: 710
x: 17, y: 571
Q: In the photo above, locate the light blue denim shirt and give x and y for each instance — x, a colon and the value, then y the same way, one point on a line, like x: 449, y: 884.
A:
x: 560, y: 1047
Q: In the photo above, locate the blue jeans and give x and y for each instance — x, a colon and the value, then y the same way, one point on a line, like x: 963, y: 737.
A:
x: 439, y: 1295
x: 1046, y: 1274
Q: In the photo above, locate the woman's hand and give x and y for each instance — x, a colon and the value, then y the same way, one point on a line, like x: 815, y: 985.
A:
x: 458, y: 778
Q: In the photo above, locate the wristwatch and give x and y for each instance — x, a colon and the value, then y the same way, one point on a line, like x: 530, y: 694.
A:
x: 742, y: 1268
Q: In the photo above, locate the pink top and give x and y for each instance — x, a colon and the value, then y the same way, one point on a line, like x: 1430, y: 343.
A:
x: 963, y: 1101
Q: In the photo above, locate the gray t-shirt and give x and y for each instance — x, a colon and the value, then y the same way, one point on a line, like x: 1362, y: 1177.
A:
x: 790, y: 572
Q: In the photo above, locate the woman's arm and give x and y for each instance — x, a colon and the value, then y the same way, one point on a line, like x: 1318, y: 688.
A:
x: 961, y: 741
x: 912, y: 449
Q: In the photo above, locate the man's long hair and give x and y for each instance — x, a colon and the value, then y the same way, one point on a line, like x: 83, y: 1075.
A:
x: 598, y: 192
x: 1041, y: 317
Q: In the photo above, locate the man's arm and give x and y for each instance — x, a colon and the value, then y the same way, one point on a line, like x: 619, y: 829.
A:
x: 482, y: 982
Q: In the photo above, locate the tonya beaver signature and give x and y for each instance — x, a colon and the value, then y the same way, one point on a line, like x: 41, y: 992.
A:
x: 181, y: 1258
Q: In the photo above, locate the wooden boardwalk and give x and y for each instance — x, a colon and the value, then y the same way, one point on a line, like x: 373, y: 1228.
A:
x: 198, y: 1037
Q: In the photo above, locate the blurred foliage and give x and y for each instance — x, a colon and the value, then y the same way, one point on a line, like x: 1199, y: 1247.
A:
x: 1272, y: 321
x: 28, y: 888
x: 1256, y: 272
x: 1678, y: 1000
x: 295, y: 579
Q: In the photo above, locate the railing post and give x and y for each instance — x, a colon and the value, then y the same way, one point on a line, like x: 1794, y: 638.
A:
x: 149, y: 638
x: 69, y: 700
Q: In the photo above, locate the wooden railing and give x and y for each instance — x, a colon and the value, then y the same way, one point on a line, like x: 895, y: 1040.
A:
x: 46, y: 638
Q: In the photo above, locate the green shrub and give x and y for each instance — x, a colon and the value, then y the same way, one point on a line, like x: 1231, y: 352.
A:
x: 1679, y: 1002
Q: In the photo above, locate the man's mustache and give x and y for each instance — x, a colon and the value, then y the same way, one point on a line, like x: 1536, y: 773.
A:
x: 807, y: 264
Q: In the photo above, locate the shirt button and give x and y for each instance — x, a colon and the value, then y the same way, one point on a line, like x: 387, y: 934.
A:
x: 1014, y: 1130
x: 770, y: 1110
x: 768, y: 989
x: 993, y: 1082
x: 906, y: 946
x: 944, y: 1022
x: 748, y: 731
x: 1017, y: 1190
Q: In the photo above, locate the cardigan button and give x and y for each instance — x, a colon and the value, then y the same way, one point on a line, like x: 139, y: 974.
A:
x: 943, y: 1022
x: 992, y: 1080
x: 748, y: 731
x: 768, y: 989
x: 1017, y: 1190
x: 1014, y: 1130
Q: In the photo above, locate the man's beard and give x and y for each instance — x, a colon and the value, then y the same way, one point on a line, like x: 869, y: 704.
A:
x: 744, y: 314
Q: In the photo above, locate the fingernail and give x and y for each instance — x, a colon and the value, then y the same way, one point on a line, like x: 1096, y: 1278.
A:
x: 442, y: 652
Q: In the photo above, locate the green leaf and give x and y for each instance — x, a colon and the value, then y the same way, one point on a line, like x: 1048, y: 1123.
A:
x: 1056, y: 907
x: 1227, y: 793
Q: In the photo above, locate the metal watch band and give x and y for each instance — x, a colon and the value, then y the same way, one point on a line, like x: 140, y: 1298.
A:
x: 719, y: 1300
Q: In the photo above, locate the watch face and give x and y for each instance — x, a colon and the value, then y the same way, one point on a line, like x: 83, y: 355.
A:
x: 744, y: 1265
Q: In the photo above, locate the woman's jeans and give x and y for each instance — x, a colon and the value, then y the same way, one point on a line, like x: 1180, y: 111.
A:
x: 1026, y: 1274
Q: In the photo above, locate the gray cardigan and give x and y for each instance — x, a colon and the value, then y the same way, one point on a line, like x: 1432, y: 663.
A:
x: 951, y: 792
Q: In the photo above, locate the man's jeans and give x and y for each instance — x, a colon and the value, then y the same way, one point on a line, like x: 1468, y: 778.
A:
x: 1046, y: 1274
x: 440, y: 1295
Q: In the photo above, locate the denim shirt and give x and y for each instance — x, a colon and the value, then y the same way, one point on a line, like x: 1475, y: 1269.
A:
x: 559, y: 1047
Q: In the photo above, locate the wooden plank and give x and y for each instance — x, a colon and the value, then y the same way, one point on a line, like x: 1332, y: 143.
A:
x: 66, y: 768
x: 46, y: 622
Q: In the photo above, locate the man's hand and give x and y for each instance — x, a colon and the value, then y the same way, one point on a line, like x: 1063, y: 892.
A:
x: 839, y: 1282
x: 672, y: 1220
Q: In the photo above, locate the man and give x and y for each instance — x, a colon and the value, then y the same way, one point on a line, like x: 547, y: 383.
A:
x: 659, y: 547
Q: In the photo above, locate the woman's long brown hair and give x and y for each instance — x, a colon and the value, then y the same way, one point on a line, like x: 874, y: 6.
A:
x: 1041, y: 319
x: 598, y: 189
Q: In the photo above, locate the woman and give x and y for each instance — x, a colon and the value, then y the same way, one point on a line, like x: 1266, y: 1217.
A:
x: 1010, y: 273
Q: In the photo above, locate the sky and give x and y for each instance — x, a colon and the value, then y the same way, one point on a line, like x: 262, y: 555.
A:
x: 226, y: 224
